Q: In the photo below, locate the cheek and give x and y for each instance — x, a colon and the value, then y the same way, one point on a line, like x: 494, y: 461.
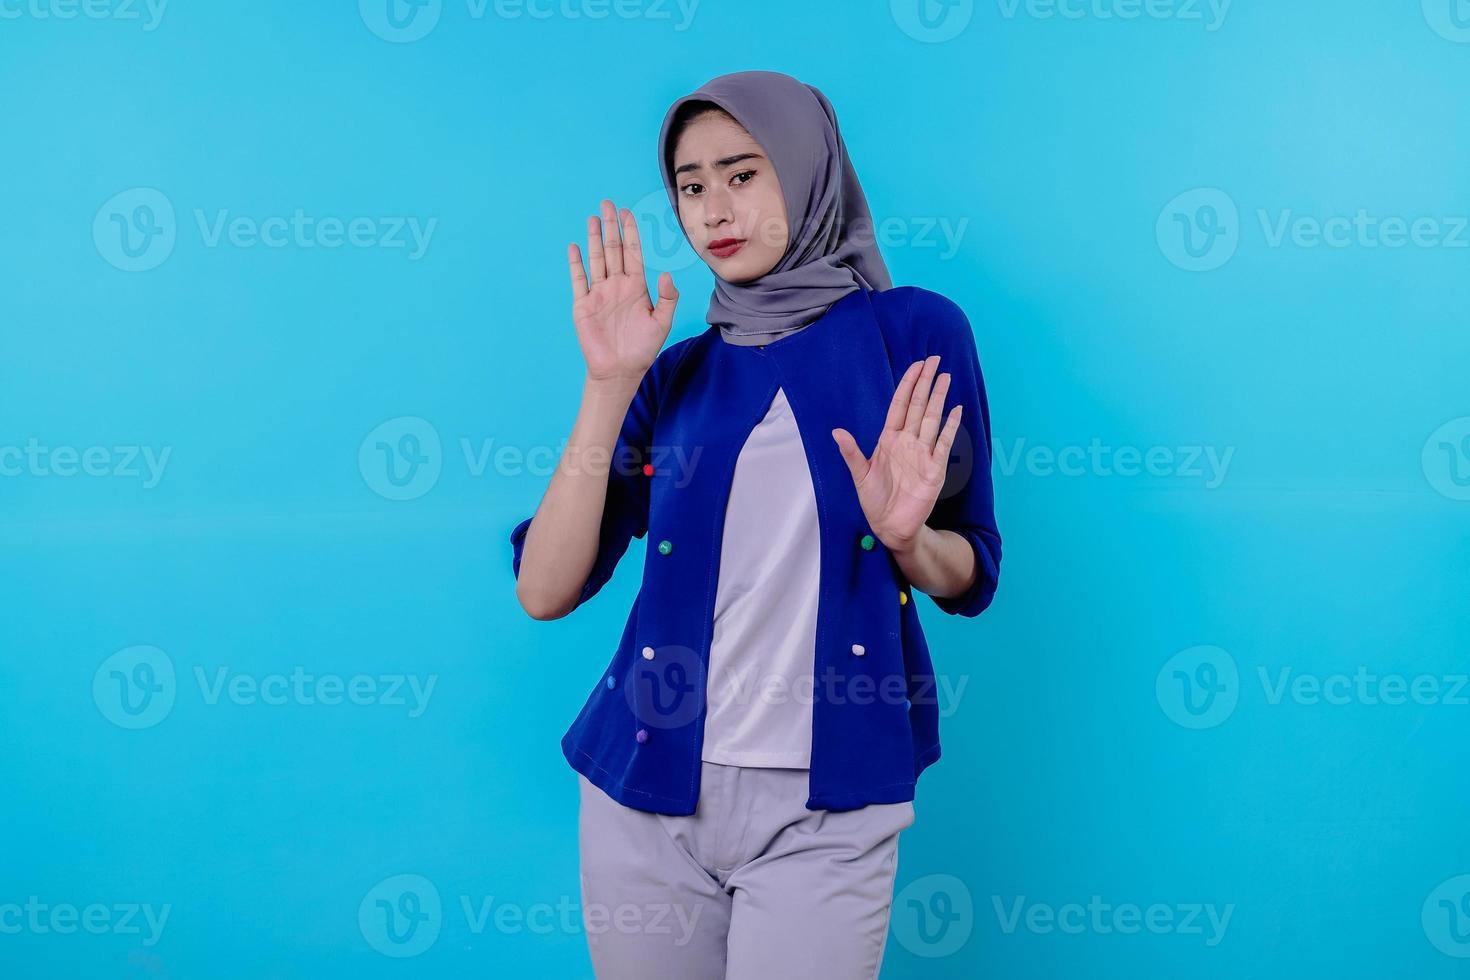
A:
x: 773, y: 223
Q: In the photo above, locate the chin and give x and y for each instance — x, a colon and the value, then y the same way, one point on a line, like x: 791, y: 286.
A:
x: 740, y: 272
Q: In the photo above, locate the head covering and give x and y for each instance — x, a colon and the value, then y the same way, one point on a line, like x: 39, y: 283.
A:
x: 832, y: 249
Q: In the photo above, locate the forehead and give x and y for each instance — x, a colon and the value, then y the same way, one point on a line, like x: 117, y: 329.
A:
x: 711, y: 136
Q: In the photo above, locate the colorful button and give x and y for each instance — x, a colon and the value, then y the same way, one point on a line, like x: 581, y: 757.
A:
x: 648, y: 653
x: 612, y: 682
x: 867, y: 542
x: 648, y: 469
x: 903, y: 597
x: 642, y: 735
x: 665, y: 546
x: 858, y: 649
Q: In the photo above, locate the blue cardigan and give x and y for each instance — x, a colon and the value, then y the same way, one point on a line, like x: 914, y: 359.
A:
x: 875, y: 716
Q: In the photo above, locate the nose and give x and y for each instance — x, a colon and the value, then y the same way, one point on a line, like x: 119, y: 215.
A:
x: 717, y: 207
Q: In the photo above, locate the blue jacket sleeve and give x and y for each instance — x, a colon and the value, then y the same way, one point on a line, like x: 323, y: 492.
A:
x: 966, y: 503
x: 625, y: 508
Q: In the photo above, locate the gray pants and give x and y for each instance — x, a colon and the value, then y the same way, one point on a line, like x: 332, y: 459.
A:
x: 752, y: 885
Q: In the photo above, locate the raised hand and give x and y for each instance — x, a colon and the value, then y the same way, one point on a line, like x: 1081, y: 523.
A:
x: 899, y: 485
x: 619, y: 330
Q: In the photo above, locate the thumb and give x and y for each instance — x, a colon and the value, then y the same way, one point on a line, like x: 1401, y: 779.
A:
x: 668, y: 298
x: 857, y: 464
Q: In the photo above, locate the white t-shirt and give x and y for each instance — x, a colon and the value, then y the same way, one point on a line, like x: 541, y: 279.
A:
x: 763, y: 652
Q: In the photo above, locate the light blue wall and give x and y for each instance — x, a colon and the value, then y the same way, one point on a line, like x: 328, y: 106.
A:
x: 1303, y: 408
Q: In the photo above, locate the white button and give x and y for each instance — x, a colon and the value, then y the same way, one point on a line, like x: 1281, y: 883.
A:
x: 648, y: 653
x: 857, y: 648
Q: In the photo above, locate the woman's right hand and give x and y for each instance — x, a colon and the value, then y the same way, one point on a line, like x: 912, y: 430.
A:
x: 619, y: 330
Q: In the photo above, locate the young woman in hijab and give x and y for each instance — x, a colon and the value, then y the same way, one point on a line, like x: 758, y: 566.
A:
x: 750, y: 828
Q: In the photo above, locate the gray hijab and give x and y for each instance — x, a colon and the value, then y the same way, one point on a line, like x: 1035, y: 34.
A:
x: 832, y: 249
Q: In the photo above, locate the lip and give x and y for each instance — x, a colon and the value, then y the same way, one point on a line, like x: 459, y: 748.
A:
x: 726, y: 247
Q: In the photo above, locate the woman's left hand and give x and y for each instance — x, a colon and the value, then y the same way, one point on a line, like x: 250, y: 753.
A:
x: 898, y: 486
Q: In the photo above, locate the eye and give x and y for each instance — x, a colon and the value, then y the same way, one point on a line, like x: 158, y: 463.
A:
x: 743, y: 173
x: 689, y: 187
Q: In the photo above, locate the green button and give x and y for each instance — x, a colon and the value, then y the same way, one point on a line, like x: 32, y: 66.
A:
x: 867, y: 542
x: 664, y: 547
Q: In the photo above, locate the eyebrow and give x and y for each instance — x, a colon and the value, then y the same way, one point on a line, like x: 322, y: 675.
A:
x: 720, y: 164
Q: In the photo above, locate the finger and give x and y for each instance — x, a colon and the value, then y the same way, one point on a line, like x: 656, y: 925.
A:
x: 898, y: 408
x: 857, y: 464
x: 920, y: 400
x: 595, y: 264
x: 579, y: 275
x: 612, y: 242
x: 668, y: 298
x: 947, y: 434
x: 632, y: 248
x: 929, y: 425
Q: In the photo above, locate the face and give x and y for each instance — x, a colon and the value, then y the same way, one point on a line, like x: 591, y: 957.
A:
x: 727, y: 190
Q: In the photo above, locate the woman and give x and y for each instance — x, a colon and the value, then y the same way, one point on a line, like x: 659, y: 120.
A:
x: 748, y: 759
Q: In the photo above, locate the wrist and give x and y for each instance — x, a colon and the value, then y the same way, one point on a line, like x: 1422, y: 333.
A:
x: 611, y: 387
x: 907, y: 547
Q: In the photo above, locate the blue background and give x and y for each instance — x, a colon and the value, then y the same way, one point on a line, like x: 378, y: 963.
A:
x: 1070, y: 153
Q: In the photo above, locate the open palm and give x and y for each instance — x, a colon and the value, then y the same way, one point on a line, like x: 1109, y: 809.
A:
x: 619, y: 330
x: 898, y: 486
